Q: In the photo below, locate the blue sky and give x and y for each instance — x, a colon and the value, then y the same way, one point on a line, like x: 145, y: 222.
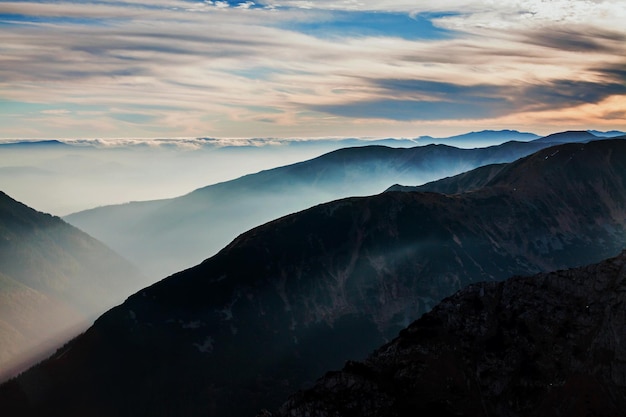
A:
x: 182, y: 68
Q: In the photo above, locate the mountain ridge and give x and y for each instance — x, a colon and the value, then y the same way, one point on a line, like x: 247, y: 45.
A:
x: 534, y: 346
x: 313, y: 289
x: 166, y: 231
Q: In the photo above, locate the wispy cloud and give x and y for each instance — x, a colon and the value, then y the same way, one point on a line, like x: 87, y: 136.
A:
x: 290, y: 68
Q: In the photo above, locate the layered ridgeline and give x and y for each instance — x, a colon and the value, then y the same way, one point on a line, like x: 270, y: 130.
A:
x: 547, y: 345
x: 165, y: 236
x: 54, y: 280
x: 480, y: 177
x: 291, y: 299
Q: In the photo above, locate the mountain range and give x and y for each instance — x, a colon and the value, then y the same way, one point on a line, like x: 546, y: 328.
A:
x: 295, y: 297
x: 480, y: 139
x: 165, y: 236
x: 54, y: 280
x: 547, y: 345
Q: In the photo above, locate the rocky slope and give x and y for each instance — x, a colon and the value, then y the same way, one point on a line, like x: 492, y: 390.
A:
x: 288, y: 300
x: 547, y: 345
x: 53, y: 278
x: 168, y: 235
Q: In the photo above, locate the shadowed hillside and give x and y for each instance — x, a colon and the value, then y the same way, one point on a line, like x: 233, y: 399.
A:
x: 54, y: 279
x: 545, y: 345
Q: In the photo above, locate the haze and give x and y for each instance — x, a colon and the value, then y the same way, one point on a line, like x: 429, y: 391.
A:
x: 61, y: 179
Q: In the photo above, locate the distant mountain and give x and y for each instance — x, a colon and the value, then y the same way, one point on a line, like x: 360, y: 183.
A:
x: 546, y: 345
x: 40, y: 144
x: 468, y: 181
x: 165, y: 236
x: 54, y: 279
x: 480, y: 139
x: 607, y: 134
x: 300, y: 295
x: 353, y: 142
x: 569, y: 136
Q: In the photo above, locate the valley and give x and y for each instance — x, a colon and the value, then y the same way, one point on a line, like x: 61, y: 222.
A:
x: 329, y: 284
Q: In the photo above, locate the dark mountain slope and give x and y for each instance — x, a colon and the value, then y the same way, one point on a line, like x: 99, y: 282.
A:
x: 546, y: 345
x: 168, y: 235
x: 300, y: 295
x: 52, y: 278
x: 467, y: 181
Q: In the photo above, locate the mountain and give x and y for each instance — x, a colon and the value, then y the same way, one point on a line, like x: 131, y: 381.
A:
x: 480, y: 139
x: 293, y: 298
x: 53, y: 280
x: 464, y: 182
x: 164, y: 236
x: 471, y: 180
x: 607, y: 134
x: 546, y: 345
x: 569, y: 136
x: 35, y: 144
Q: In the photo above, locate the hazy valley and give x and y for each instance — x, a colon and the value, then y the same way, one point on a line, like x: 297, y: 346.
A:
x: 298, y: 296
x: 54, y: 281
x: 165, y: 236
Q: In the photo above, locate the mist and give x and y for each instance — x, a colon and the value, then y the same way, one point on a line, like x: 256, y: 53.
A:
x: 62, y: 178
x: 166, y: 236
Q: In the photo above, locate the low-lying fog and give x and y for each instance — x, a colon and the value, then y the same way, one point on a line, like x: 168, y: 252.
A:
x: 74, y: 175
x: 62, y: 178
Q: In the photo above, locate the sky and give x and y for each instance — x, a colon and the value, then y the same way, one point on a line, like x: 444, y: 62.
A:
x: 295, y: 68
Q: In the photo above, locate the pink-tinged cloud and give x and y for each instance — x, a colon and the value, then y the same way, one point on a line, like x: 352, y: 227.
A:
x: 299, y: 68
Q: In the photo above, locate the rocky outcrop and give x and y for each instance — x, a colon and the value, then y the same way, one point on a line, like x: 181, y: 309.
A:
x: 548, y: 345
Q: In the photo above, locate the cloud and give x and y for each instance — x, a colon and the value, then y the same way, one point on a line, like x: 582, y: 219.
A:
x: 245, y: 5
x: 281, y: 68
x: 578, y: 39
x: 429, y: 100
x: 410, y: 110
x: 56, y: 111
x: 567, y: 93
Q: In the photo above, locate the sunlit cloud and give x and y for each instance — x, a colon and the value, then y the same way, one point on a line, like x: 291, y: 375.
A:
x: 290, y: 68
